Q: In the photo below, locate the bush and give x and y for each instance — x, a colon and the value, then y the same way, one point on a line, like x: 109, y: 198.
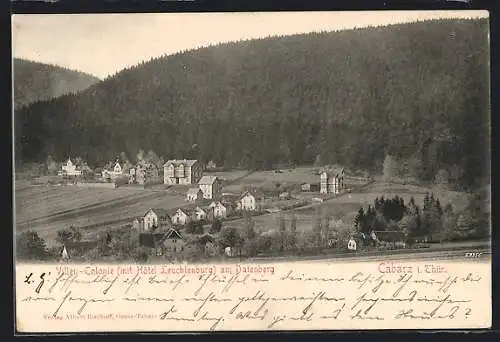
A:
x: 30, y: 246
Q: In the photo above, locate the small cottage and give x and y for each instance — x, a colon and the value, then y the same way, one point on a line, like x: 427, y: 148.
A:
x: 180, y: 217
x: 194, y: 194
x: 199, y: 214
x: 310, y: 187
x: 247, y: 202
x: 173, y: 242
x: 218, y: 210
x: 156, y: 218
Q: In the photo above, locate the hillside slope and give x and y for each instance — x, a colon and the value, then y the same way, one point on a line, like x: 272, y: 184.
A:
x: 418, y: 92
x: 37, y: 81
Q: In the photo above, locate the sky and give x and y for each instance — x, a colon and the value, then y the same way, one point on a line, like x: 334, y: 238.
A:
x: 103, y: 44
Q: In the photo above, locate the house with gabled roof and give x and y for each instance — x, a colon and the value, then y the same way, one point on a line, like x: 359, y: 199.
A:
x: 180, y: 217
x: 198, y: 214
x: 247, y: 202
x: 163, y: 243
x: 173, y: 242
x: 182, y: 171
x: 156, y: 218
x: 70, y: 169
x: 210, y: 186
x: 194, y: 194
x: 217, y: 210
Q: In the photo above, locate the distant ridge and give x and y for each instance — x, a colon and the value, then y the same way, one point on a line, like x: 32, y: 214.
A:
x: 418, y: 92
x: 35, y: 81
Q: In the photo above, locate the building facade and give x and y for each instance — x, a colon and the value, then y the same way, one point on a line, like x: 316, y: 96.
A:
x: 247, y: 202
x: 194, y: 194
x: 180, y: 217
x: 218, y: 210
x: 70, y: 169
x: 331, y: 181
x: 182, y: 172
x: 210, y: 186
x: 156, y: 218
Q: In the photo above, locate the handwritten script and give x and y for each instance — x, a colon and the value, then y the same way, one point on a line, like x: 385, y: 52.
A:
x: 296, y: 296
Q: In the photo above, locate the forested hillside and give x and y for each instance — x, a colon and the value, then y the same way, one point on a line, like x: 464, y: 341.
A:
x: 37, y: 81
x: 418, y: 92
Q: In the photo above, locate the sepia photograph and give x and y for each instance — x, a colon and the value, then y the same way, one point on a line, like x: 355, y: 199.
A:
x: 164, y: 160
x: 191, y: 137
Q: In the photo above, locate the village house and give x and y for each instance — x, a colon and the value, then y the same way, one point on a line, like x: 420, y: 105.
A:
x: 180, y: 217
x: 181, y: 172
x: 70, y: 169
x: 198, y: 214
x: 247, y: 202
x: 310, y: 187
x: 156, y: 218
x: 210, y: 186
x: 163, y: 244
x: 331, y: 181
x: 194, y: 194
x: 173, y: 242
x: 218, y: 210
x: 114, y: 173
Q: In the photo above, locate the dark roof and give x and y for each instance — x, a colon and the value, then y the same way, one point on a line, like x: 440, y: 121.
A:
x: 161, y: 213
x: 173, y: 234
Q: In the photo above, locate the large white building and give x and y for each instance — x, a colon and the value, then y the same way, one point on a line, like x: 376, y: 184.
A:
x: 210, y: 186
x: 182, y: 171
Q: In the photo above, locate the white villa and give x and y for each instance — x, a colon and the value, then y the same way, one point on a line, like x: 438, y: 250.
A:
x: 116, y: 172
x: 70, y: 169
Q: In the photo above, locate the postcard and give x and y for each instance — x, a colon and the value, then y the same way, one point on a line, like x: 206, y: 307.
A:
x: 266, y: 171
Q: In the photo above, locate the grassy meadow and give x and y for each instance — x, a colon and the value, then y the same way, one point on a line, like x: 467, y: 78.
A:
x: 48, y: 209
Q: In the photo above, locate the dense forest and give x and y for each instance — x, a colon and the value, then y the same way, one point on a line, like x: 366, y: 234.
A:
x: 417, y: 92
x: 38, y: 82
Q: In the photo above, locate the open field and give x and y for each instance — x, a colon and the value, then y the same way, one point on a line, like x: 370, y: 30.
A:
x: 286, y: 178
x: 49, y: 209
x: 346, y: 205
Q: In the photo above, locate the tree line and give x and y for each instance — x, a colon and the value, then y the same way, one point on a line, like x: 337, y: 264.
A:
x: 417, y: 92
